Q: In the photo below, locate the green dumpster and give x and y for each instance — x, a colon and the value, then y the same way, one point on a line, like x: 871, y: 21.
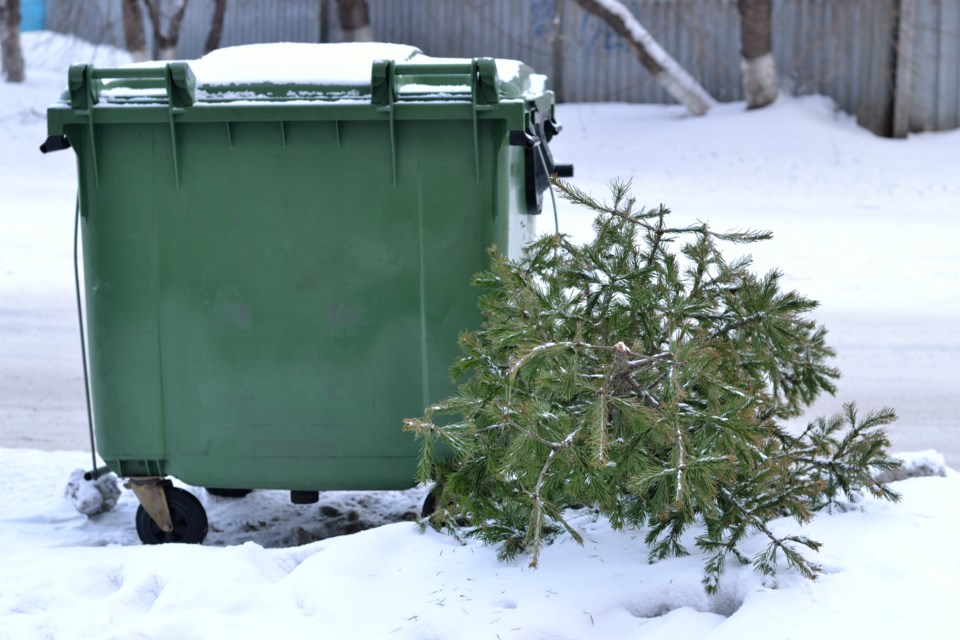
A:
x: 277, y: 248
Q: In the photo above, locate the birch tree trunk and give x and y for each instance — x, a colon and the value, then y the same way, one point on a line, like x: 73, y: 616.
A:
x: 166, y: 42
x: 665, y: 69
x: 757, y: 65
x: 216, y: 26
x: 10, y: 50
x: 133, y: 30
x: 354, y: 16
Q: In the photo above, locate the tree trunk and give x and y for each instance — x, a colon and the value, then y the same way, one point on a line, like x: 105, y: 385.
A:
x: 666, y: 71
x: 166, y: 43
x: 354, y: 17
x: 324, y: 20
x: 757, y: 64
x: 133, y: 30
x: 216, y: 26
x: 10, y: 49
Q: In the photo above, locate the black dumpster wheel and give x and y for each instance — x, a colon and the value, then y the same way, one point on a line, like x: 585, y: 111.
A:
x: 189, y: 520
x: 430, y: 502
x: 228, y: 493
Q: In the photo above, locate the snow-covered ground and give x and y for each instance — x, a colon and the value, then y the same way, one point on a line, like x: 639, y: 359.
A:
x: 891, y: 571
x: 866, y: 225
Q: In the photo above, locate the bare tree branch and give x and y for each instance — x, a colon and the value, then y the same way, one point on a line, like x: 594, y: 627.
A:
x: 133, y: 30
x: 166, y: 43
x: 665, y: 69
x: 216, y: 26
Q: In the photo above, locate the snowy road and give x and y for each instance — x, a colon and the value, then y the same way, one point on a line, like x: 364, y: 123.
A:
x: 41, y: 383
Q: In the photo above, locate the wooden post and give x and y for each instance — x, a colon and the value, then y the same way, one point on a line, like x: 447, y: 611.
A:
x: 903, y: 81
x: 878, y: 64
x: 324, y: 20
x: 10, y: 50
x: 557, y: 44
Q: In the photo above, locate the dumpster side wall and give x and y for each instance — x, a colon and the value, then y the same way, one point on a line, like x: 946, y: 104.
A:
x: 265, y: 310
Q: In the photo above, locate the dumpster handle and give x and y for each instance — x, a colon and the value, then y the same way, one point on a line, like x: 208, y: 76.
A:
x: 83, y: 342
x: 484, y: 91
x: 176, y: 77
x: 481, y: 74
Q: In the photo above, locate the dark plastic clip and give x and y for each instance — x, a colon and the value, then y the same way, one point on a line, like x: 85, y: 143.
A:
x: 55, y: 143
x: 523, y: 139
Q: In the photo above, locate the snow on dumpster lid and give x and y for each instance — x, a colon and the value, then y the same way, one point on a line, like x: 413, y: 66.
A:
x: 318, y: 72
x: 343, y: 64
x: 530, y: 84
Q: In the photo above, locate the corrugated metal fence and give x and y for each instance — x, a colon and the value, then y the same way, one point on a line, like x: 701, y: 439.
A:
x: 894, y: 63
x: 929, y: 68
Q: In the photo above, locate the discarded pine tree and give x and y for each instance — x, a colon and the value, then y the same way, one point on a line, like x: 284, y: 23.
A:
x: 646, y: 376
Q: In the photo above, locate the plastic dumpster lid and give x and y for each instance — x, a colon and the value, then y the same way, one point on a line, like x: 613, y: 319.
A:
x: 342, y: 73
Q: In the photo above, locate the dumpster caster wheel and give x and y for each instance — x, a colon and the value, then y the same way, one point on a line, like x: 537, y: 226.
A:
x: 430, y: 502
x: 188, y: 516
x: 228, y: 493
